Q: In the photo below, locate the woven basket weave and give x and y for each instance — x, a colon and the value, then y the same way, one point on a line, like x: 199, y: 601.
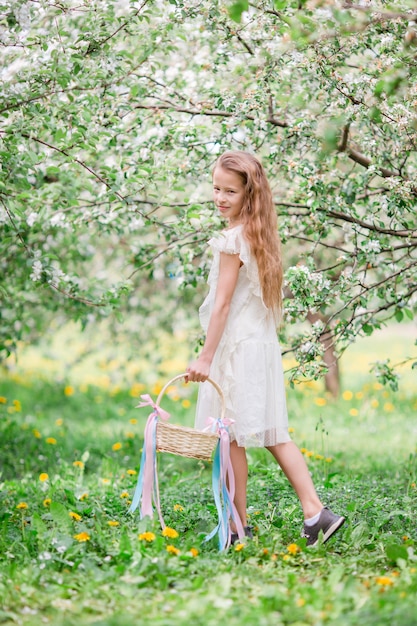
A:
x: 184, y: 441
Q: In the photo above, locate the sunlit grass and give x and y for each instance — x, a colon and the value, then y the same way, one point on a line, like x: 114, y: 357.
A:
x: 71, y: 554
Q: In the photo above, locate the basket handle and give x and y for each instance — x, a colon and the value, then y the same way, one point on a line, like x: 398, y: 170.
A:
x: 185, y: 376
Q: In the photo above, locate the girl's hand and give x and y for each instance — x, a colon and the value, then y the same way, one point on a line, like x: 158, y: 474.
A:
x: 198, y: 371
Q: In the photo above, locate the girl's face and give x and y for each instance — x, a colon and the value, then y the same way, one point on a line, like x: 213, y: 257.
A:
x: 228, y: 194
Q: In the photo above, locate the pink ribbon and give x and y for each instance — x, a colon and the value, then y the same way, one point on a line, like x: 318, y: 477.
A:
x: 221, y: 423
x: 150, y: 476
x: 147, y: 401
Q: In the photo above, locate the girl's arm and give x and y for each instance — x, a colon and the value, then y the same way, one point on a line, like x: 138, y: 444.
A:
x: 199, y: 370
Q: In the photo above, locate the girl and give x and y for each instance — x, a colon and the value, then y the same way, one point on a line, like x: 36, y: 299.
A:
x: 241, y: 351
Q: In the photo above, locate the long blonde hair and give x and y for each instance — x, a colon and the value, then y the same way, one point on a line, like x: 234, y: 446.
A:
x: 260, y: 224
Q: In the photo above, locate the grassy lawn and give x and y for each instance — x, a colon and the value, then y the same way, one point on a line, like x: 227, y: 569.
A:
x: 70, y: 554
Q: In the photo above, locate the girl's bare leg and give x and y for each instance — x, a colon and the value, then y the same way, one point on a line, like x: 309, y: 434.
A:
x: 295, y: 468
x: 240, y: 470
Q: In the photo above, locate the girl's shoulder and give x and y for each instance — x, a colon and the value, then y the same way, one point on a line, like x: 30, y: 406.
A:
x: 229, y: 240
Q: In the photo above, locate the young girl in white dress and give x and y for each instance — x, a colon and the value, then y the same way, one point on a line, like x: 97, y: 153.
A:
x: 241, y: 350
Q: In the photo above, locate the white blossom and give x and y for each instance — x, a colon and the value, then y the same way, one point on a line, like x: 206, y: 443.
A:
x: 372, y: 245
x: 31, y: 218
x: 36, y: 270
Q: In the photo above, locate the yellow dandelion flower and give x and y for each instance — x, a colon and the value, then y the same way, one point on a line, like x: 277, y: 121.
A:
x: 51, y: 441
x: 328, y: 459
x: 36, y: 433
x: 124, y: 494
x: 129, y: 435
x: 320, y: 401
x: 359, y: 395
x: 384, y: 581
x: 47, y: 502
x: 82, y: 537
x: 265, y: 551
x: 133, y: 420
x: 388, y: 406
x: 3, y: 400
x: 75, y: 516
x: 309, y: 453
x: 43, y: 477
x: 194, y: 552
x: 300, y: 602
x: 131, y: 472
x: 274, y: 557
x: 413, y: 485
x: 319, y: 457
x: 374, y: 403
x: 178, y: 507
x: 113, y: 523
x: 347, y: 395
x: 186, y: 404
x: 59, y: 421
x: 377, y: 386
x: 22, y: 505
x: 68, y: 390
x: 136, y: 390
x: 354, y: 412
x: 239, y: 547
x: 291, y: 430
x: 293, y: 548
x: 406, y: 537
x: 117, y: 446
x: 156, y: 389
x: 148, y: 536
x: 172, y: 550
x: 83, y: 496
x: 17, y: 405
x: 303, y: 450
x: 286, y: 557
x: 105, y: 481
x: 170, y: 533
x: 79, y: 464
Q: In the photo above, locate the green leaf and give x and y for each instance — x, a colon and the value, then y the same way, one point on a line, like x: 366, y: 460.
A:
x: 38, y: 524
x: 399, y: 315
x: 126, y: 551
x: 368, y: 329
x: 395, y: 552
x: 237, y: 8
x: 59, y: 514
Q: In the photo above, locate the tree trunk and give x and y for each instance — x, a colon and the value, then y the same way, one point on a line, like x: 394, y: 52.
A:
x: 332, y: 377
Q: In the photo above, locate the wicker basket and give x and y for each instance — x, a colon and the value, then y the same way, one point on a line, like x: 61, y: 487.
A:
x: 184, y: 441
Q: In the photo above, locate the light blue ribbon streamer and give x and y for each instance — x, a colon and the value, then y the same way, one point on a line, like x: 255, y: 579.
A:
x: 222, y: 527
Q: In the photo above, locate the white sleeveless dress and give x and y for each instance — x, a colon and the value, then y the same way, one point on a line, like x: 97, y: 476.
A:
x: 247, y: 364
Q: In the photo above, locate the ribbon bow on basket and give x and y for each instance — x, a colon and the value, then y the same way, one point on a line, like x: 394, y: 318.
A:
x: 165, y: 437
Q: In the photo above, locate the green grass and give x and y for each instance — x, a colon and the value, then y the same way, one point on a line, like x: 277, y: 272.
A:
x: 362, y: 454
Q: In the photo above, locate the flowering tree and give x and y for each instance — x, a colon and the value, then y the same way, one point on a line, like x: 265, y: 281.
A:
x: 112, y: 114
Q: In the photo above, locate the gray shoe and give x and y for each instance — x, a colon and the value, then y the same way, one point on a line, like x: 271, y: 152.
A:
x: 328, y: 523
x: 248, y: 533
